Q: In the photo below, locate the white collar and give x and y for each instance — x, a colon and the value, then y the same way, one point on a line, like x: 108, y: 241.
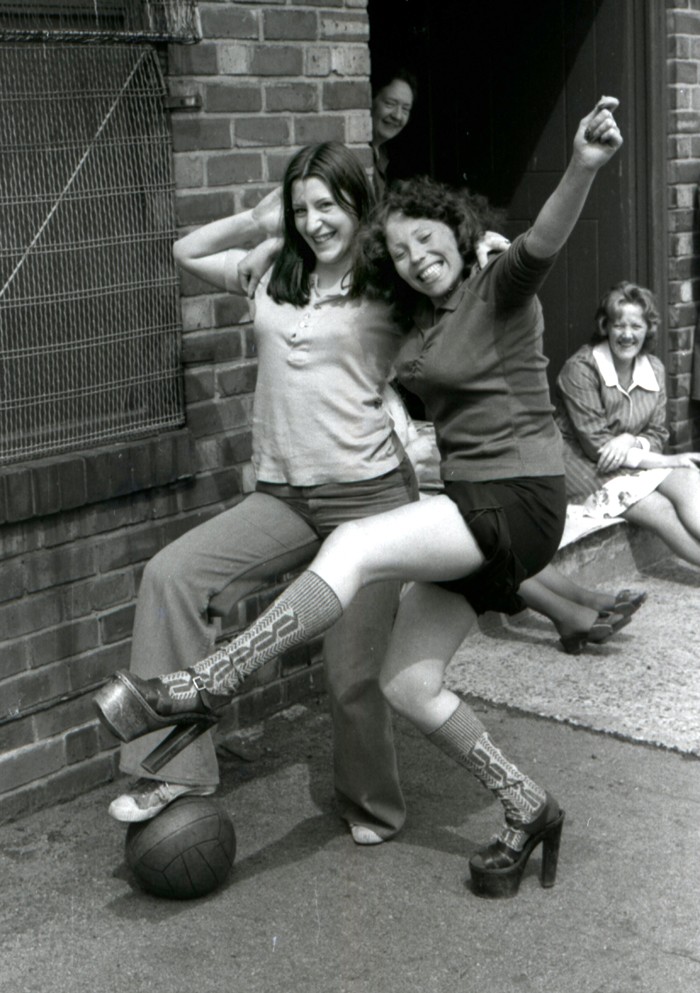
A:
x: 643, y: 374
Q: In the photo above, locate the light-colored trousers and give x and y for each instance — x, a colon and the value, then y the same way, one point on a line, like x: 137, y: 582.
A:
x: 210, y: 568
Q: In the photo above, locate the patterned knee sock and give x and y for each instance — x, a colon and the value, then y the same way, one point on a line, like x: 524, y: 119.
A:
x: 308, y: 607
x: 464, y: 738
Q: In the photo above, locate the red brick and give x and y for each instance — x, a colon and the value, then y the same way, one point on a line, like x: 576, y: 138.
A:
x: 290, y: 25
x: 212, y: 489
x: 94, y: 668
x: 25, y: 765
x: 324, y: 127
x: 346, y: 96
x: 12, y: 583
x: 193, y: 60
x: 682, y: 72
x: 237, y: 167
x: 230, y: 98
x: 71, y: 479
x: 24, y: 691
x: 13, y: 658
x: 679, y: 362
x: 136, y: 545
x: 296, y: 97
x: 29, y: 614
x: 199, y: 384
x: 81, y: 744
x: 228, y: 22
x: 261, y: 131
x: 277, y: 60
x: 235, y: 448
x: 18, y: 494
x: 231, y: 309
x: 213, y: 418
x: 345, y: 27
x: 16, y: 734
x: 199, y: 208
x: 196, y: 134
x: 46, y: 489
x: 684, y: 22
x: 189, y: 171
x: 212, y: 346
x: 61, y: 565
x: 116, y: 625
x: 63, y: 716
x: 240, y: 379
x: 62, y: 642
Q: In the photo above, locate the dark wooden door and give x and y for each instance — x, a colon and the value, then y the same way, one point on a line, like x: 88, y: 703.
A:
x: 502, y: 87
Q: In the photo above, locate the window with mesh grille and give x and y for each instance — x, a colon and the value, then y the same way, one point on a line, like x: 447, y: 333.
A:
x: 99, y: 20
x: 89, y: 302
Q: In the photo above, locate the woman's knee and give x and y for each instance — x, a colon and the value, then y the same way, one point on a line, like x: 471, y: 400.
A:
x: 410, y: 692
x: 167, y: 570
x: 350, y: 544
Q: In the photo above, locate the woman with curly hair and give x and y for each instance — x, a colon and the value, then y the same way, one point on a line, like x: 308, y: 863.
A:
x: 474, y: 357
x: 611, y: 410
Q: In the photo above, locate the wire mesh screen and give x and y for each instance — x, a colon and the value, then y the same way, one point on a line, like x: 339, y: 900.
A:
x: 99, y: 20
x: 89, y: 302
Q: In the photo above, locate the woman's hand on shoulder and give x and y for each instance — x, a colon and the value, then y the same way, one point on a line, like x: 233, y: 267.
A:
x: 490, y: 241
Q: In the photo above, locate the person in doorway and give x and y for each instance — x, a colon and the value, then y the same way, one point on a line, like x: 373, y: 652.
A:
x: 474, y: 354
x: 611, y: 409
x: 393, y: 96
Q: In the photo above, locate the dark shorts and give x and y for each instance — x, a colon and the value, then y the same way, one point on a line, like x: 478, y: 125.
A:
x: 517, y: 524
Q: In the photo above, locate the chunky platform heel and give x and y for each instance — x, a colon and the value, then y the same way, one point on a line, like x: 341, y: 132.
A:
x: 496, y: 870
x: 122, y: 707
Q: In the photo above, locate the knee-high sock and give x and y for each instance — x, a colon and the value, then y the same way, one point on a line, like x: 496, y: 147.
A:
x: 307, y: 608
x: 465, y: 739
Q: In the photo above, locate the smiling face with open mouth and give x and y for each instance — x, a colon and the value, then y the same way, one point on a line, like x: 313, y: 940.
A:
x: 326, y: 227
x: 425, y: 254
x: 627, y: 332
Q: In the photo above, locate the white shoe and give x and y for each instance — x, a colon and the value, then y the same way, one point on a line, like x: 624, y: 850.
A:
x: 147, y: 797
x: 362, y: 835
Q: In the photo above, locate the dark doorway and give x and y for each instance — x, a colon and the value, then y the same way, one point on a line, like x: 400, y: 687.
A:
x: 502, y: 87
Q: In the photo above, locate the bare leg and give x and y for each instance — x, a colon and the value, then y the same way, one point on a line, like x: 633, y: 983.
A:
x: 568, y: 616
x: 430, y: 626
x: 425, y: 542
x: 682, y: 488
x: 657, y: 513
x: 566, y: 588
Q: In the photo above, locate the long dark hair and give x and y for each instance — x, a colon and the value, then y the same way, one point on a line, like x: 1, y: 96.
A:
x: 467, y: 215
x: 342, y: 172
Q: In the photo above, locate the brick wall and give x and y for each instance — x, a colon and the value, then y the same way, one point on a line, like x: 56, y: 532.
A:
x: 267, y: 77
x: 683, y: 172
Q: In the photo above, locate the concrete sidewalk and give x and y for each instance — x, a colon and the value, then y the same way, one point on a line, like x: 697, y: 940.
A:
x: 307, y: 910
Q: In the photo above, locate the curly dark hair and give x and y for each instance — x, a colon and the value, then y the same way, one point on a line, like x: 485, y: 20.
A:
x: 610, y: 307
x: 467, y: 215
